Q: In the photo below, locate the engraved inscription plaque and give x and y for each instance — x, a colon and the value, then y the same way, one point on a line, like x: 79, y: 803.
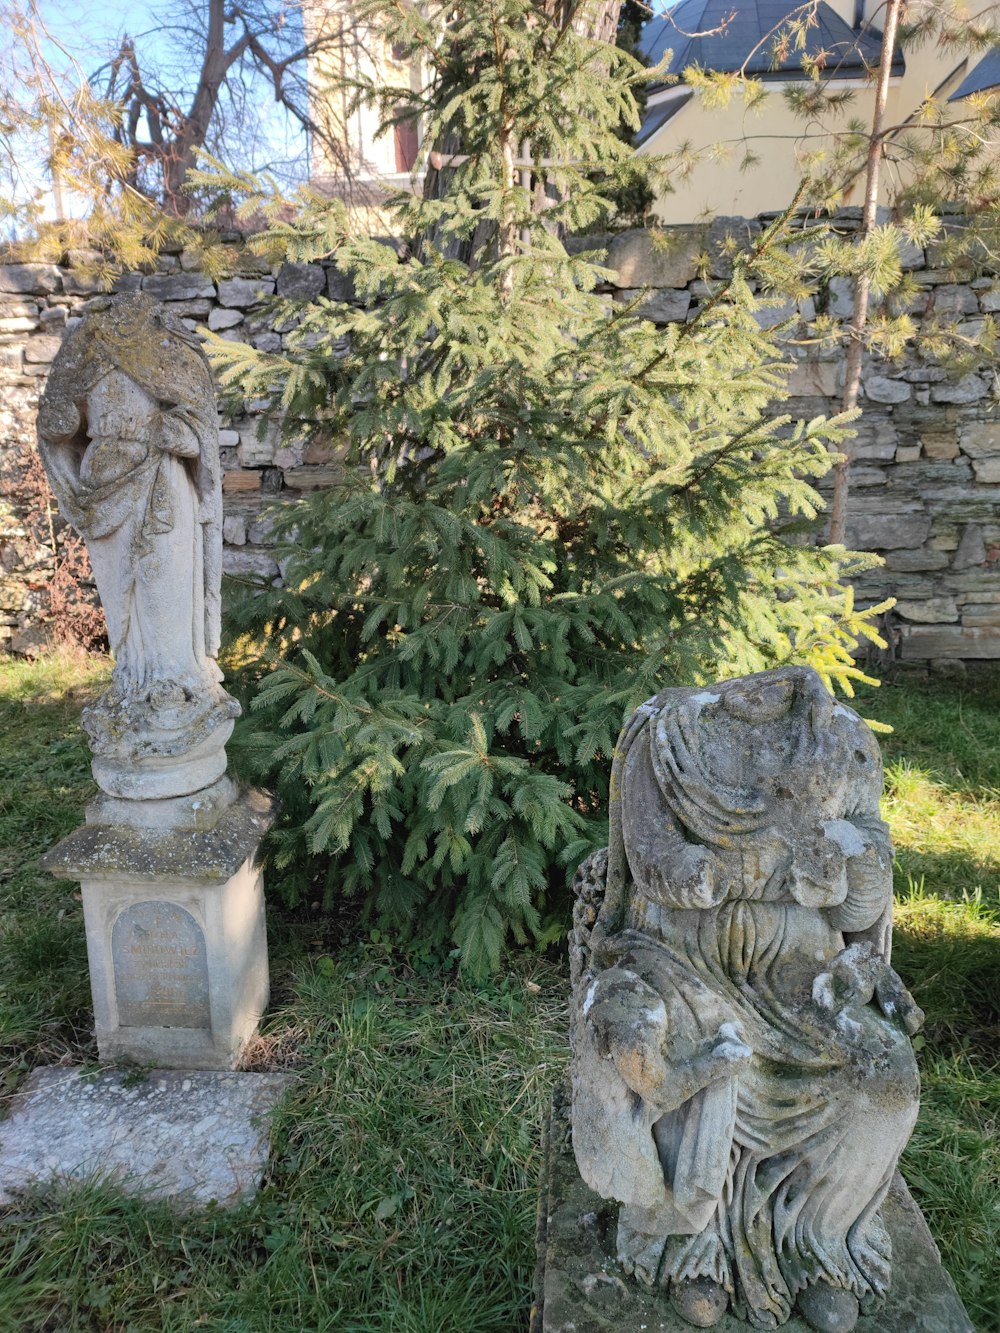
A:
x: 161, y: 969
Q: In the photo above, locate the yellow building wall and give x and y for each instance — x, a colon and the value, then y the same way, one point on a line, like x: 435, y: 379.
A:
x: 718, y: 138
x: 363, y: 162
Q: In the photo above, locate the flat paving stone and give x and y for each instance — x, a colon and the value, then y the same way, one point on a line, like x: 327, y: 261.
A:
x: 189, y: 1137
x: 579, y: 1289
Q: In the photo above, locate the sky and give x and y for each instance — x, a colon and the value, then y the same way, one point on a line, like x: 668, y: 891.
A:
x: 86, y: 34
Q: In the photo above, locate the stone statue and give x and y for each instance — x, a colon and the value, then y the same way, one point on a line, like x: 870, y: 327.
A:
x: 128, y: 433
x: 743, y: 1080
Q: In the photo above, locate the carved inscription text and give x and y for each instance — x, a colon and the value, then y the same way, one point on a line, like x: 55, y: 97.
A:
x: 160, y: 966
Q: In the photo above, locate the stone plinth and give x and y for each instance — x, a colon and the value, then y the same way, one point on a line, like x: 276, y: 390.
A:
x: 191, y: 1138
x: 579, y: 1286
x: 174, y: 911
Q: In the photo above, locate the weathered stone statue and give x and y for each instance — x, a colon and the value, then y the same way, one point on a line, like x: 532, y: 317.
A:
x: 172, y: 893
x: 743, y: 1081
x: 128, y: 433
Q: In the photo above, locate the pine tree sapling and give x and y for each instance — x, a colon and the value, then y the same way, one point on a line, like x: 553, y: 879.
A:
x: 550, y: 511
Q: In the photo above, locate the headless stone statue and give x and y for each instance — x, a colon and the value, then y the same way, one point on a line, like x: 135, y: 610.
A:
x: 128, y: 434
x: 743, y: 1080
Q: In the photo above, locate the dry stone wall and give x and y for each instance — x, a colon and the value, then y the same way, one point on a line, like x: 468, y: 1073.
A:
x: 926, y: 483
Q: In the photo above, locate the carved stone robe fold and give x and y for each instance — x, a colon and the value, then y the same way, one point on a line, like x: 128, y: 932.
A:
x: 743, y: 1078
x: 128, y: 433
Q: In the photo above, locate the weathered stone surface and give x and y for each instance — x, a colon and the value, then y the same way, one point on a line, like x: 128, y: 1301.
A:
x: 840, y: 300
x: 951, y: 299
x: 244, y: 292
x: 728, y: 237
x: 968, y: 389
x: 301, y: 282
x: 141, y: 482
x: 662, y: 307
x: 971, y: 548
x: 193, y: 1138
x: 873, y: 532
x: 774, y: 312
x: 980, y: 439
x: 656, y: 259
x: 882, y: 390
x: 239, y: 481
x: 939, y: 446
x: 910, y: 561
x: 18, y: 323
x: 909, y: 423
x: 12, y: 308
x: 578, y: 1288
x: 178, y: 286
x: 258, y: 443
x: 77, y: 282
x: 862, y: 477
x: 33, y: 279
x: 987, y: 470
x: 224, y: 319
x: 174, y: 912
x: 340, y: 285
x: 933, y: 611
x: 160, y: 967
x: 234, y: 530
x: 313, y: 478
x: 266, y: 342
x: 256, y: 563
x: 820, y: 378
x: 920, y: 642
x: 42, y: 350
x: 165, y: 854
x: 986, y: 615
x: 739, y: 1038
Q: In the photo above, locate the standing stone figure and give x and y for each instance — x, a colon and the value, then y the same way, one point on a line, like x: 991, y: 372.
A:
x: 743, y: 1080
x: 128, y: 434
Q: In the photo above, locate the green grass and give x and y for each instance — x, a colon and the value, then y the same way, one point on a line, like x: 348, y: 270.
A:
x: 400, y: 1194
x: 943, y: 806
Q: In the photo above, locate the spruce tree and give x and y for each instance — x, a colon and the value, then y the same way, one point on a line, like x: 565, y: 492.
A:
x: 550, y: 510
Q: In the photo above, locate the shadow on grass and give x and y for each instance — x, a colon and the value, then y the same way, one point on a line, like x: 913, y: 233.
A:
x: 948, y: 728
x: 44, y: 784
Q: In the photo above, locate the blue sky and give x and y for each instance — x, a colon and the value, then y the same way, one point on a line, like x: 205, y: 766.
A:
x: 90, y: 33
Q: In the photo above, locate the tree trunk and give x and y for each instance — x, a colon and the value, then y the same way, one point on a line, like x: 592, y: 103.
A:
x: 862, y: 284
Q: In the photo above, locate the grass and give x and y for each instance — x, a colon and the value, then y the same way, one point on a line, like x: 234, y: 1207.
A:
x: 401, y: 1189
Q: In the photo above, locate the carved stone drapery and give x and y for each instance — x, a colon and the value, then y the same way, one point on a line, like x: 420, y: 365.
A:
x: 743, y: 1080
x: 128, y: 433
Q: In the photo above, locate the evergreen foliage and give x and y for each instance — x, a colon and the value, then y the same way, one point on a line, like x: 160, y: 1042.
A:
x: 550, y: 510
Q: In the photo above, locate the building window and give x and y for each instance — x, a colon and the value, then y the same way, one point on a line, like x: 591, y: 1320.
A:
x: 405, y: 132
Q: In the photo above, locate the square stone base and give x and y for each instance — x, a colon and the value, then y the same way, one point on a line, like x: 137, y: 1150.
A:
x: 191, y: 1138
x: 579, y: 1288
x: 176, y: 938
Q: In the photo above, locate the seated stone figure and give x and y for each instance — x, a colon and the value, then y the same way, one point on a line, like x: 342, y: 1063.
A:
x: 743, y: 1080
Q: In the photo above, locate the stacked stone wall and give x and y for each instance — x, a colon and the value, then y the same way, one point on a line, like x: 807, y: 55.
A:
x: 925, y: 483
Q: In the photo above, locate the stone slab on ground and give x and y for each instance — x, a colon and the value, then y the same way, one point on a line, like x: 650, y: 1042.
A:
x: 188, y: 1137
x: 578, y: 1288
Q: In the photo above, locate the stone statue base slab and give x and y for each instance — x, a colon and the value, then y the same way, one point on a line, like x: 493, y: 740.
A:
x: 188, y: 1137
x: 174, y: 913
x: 578, y: 1287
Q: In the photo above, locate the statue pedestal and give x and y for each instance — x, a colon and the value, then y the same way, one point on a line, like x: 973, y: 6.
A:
x: 174, y: 912
x: 579, y: 1287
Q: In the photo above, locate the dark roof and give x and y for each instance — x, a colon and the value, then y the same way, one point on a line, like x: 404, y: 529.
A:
x: 655, y: 116
x: 749, y: 37
x: 981, y: 78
